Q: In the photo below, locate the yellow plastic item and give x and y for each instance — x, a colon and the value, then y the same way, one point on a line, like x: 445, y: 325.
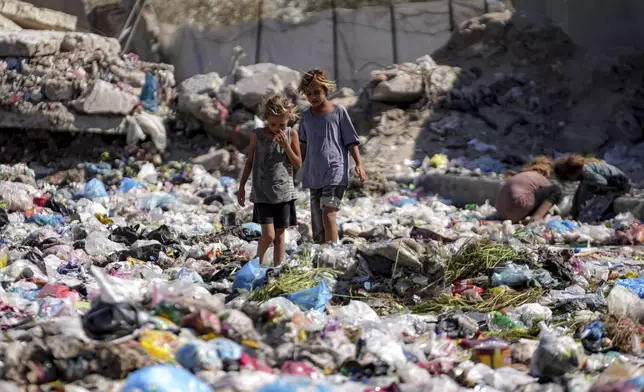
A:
x: 439, y: 160
x: 4, y: 257
x: 160, y: 344
x: 104, y: 220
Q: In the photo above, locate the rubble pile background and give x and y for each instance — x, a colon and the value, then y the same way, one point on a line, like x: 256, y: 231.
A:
x: 74, y: 81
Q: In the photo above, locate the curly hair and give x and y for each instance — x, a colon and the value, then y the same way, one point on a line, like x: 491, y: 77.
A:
x: 320, y: 77
x: 278, y: 105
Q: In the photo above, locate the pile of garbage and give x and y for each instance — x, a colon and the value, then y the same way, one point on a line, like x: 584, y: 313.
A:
x: 62, y: 80
x: 143, y: 277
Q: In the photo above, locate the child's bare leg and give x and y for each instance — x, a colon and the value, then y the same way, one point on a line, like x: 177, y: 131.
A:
x: 267, y: 238
x: 542, y: 210
x: 329, y: 218
x: 279, y: 247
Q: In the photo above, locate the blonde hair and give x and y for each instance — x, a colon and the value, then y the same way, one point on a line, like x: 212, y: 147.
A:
x: 278, y: 105
x: 541, y: 164
x: 318, y: 76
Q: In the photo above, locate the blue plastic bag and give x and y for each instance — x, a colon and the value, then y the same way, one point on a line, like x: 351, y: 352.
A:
x: 511, y: 275
x: 197, y: 356
x: 295, y: 384
x: 252, y: 226
x: 47, y: 220
x: 93, y: 169
x: 160, y: 200
x: 227, y: 349
x: 251, y: 276
x: 93, y: 190
x: 562, y: 226
x: 317, y: 297
x: 635, y: 285
x: 164, y: 378
x: 149, y: 93
x: 127, y: 184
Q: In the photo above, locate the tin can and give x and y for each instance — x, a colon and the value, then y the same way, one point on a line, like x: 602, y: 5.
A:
x: 495, y: 354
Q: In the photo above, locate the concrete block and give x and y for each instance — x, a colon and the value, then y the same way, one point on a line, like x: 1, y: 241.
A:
x: 30, y: 17
x: 8, y: 25
x: 89, y: 42
x: 105, y: 98
x: 29, y: 43
x: 62, y: 120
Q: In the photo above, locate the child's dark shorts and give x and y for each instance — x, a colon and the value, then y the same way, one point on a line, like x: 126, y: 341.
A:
x: 281, y: 215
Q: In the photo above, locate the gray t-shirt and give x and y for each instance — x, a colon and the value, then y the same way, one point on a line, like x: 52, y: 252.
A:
x: 327, y: 141
x: 272, y: 171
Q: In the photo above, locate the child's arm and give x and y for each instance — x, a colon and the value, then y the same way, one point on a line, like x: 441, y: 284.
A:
x: 301, y: 133
x: 241, y: 194
x: 354, y: 149
x: 352, y: 142
x: 292, y: 149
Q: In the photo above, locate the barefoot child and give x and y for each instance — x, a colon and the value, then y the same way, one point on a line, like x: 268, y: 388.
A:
x: 327, y: 136
x: 600, y: 184
x: 273, y: 157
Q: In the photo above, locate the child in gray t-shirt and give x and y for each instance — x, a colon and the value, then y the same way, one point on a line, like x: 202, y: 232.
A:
x: 328, y: 137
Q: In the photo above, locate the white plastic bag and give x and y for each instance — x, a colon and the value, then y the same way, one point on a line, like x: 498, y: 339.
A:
x: 622, y: 303
x: 148, y: 173
x: 133, y: 131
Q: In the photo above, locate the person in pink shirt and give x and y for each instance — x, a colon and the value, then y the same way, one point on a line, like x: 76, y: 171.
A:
x: 528, y: 195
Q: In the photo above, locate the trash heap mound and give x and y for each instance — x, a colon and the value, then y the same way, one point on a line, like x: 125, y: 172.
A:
x: 504, y: 76
x: 143, y: 278
x: 79, y: 82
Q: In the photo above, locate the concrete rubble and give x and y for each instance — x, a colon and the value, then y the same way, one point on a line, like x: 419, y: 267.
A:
x: 73, y: 81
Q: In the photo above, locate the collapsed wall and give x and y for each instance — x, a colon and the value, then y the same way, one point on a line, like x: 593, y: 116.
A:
x: 72, y: 81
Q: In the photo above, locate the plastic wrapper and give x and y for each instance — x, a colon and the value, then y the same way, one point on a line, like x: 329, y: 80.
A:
x: 19, y: 197
x: 148, y: 173
x: 532, y: 314
x: 97, y: 244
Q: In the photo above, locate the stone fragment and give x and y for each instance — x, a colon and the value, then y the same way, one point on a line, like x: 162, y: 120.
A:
x: 29, y: 43
x: 31, y: 17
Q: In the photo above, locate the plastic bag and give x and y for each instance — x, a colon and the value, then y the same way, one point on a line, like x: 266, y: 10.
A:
x: 635, y: 285
x: 134, y: 132
x: 153, y: 126
x: 512, y: 275
x: 164, y: 378
x: 97, y: 244
x: 127, y: 184
x: 250, y: 277
x: 555, y: 356
x: 562, y: 226
x: 197, y: 356
x: 316, y: 298
x: 148, y: 173
x: 47, y: 220
x: 93, y: 190
x: 19, y: 197
x: 532, y: 314
x: 149, y: 93
x: 356, y: 310
x: 623, y: 303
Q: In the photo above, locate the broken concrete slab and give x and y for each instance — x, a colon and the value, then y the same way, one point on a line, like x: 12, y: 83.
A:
x: 30, y: 17
x: 89, y: 42
x: 258, y: 79
x: 403, y: 87
x: 29, y: 43
x: 8, y: 25
x: 105, y: 98
x: 214, y: 160
x: 62, y: 120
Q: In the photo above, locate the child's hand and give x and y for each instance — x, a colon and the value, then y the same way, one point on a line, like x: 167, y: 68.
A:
x: 362, y: 174
x: 241, y: 196
x: 280, y: 137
